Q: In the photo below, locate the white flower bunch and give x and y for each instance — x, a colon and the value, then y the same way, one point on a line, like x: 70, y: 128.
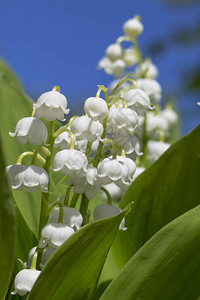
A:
x: 96, y: 153
x: 91, y: 153
x: 146, y: 95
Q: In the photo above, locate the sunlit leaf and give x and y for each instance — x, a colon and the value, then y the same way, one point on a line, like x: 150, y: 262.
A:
x: 166, y: 267
x: 164, y: 191
x: 7, y: 230
x: 73, y: 271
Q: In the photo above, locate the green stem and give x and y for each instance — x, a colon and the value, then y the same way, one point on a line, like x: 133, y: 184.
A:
x: 30, y: 153
x: 84, y: 209
x: 66, y: 201
x: 144, y: 143
x: 45, y: 196
x: 60, y: 219
x: 89, y: 146
x: 34, y: 260
x: 139, y: 54
x: 99, y: 149
x: 74, y: 200
x: 109, y: 199
x: 116, y: 100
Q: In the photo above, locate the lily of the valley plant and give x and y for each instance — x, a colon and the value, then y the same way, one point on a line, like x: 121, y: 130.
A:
x: 98, y: 156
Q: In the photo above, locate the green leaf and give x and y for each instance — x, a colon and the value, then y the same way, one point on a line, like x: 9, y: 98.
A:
x: 14, y: 105
x: 73, y: 271
x: 166, y: 267
x: 7, y: 230
x: 163, y: 192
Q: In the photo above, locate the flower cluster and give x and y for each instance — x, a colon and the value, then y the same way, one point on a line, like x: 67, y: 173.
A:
x: 155, y: 125
x: 97, y: 153
x: 91, y: 154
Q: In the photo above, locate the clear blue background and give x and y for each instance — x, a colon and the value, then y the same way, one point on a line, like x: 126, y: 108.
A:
x: 51, y: 43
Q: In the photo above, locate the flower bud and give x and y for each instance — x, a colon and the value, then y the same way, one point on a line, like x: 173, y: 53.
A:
x: 96, y: 108
x: 133, y: 27
x: 32, y: 130
x: 51, y: 105
x: 130, y: 57
x: 114, y: 52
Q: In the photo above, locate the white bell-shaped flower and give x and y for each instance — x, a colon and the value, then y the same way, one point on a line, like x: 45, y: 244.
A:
x: 146, y: 69
x: 24, y: 281
x: 96, y: 108
x: 123, y: 120
x: 170, y: 116
x: 154, y: 124
x: 104, y: 211
x: 129, y: 143
x: 137, y: 100
x: 113, y: 170
x: 115, y: 192
x: 32, y: 130
x: 84, y: 127
x: 114, y: 52
x: 30, y: 177
x: 103, y: 63
x: 81, y: 145
x: 155, y: 149
x: 54, y: 235
x: 151, y: 87
x: 63, y: 141
x: 116, y: 68
x: 133, y: 27
x: 71, y: 217
x: 90, y: 184
x: 70, y: 162
x: 138, y: 171
x: 130, y: 165
x: 51, y: 105
x: 130, y: 57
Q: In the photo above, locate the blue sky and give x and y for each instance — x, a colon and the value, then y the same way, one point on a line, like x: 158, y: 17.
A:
x: 51, y: 43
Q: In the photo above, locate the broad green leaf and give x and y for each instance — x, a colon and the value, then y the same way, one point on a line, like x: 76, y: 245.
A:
x: 164, y: 191
x: 166, y: 267
x: 14, y: 105
x: 25, y: 240
x: 7, y: 230
x: 73, y: 271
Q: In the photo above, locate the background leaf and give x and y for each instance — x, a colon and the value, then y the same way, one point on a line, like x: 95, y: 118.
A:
x: 164, y: 191
x: 73, y: 271
x: 166, y: 267
x: 7, y: 230
x: 14, y: 105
